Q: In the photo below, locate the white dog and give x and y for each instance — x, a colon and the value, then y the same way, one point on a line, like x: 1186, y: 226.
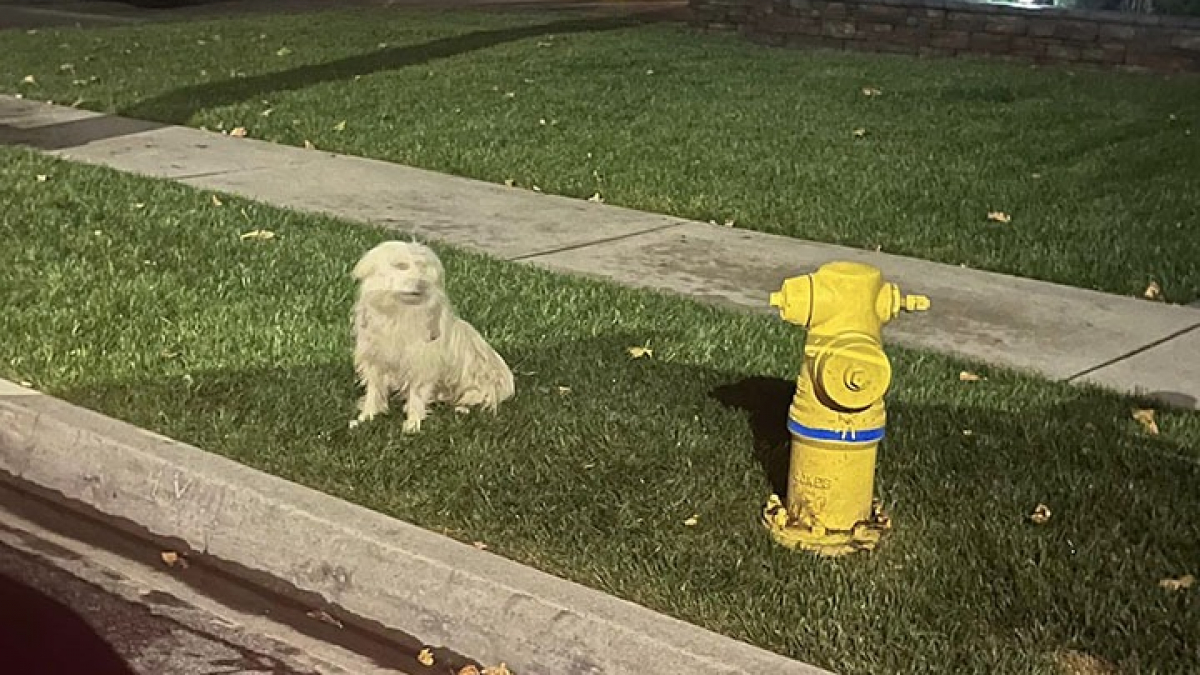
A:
x: 409, y: 341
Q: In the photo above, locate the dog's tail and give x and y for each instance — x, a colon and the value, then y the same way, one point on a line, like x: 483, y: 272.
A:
x: 485, y: 378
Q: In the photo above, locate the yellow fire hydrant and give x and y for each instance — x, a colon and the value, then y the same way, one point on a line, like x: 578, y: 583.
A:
x: 837, y: 417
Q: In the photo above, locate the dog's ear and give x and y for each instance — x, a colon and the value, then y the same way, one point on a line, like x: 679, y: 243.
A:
x: 364, y: 268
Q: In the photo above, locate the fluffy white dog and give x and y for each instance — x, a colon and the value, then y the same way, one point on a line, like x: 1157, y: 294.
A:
x: 409, y: 341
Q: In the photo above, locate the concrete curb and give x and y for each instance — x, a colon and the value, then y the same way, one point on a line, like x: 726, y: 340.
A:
x: 444, y: 592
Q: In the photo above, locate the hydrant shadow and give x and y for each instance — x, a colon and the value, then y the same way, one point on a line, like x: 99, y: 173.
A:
x: 766, y: 400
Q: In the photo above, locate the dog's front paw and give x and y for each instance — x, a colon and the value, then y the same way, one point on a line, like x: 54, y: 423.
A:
x: 411, y: 426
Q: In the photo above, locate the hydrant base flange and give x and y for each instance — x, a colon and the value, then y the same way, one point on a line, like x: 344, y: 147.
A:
x: 865, y: 536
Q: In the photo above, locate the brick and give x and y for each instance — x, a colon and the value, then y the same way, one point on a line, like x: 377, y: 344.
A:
x: 966, y: 21
x: 1187, y: 41
x: 1026, y: 46
x: 838, y: 29
x: 1116, y: 31
x: 1161, y: 62
x: 874, y: 11
x: 1080, y: 31
x: 875, y: 28
x: 950, y: 39
x: 1007, y: 25
x: 989, y: 43
x: 1042, y: 27
x: 789, y: 24
x: 935, y: 52
x: 835, y: 10
x: 1103, y: 55
x: 814, y: 42
x: 1062, y: 52
x: 800, y: 4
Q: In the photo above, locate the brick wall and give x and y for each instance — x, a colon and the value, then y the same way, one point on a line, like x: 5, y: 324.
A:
x: 949, y: 28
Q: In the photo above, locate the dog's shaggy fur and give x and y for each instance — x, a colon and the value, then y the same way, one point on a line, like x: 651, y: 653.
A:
x: 409, y: 341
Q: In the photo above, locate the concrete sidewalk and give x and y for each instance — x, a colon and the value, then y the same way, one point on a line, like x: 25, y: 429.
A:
x: 1063, y: 333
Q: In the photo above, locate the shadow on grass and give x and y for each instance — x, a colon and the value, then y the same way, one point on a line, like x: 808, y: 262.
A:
x: 178, y: 106
x: 595, y: 478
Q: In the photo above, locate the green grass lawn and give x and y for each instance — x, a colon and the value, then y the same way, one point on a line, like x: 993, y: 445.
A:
x: 1097, y: 170
x: 138, y: 298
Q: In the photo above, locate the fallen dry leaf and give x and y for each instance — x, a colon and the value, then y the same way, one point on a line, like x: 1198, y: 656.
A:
x: 640, y: 352
x: 283, y: 51
x: 425, y: 658
x: 28, y: 79
x: 479, y: 545
x: 1153, y: 291
x: 340, y: 126
x: 596, y: 198
x: 859, y: 133
x: 258, y: 235
x: 26, y: 383
x: 537, y: 189
x: 1040, y: 515
x: 308, y: 145
x: 1072, y: 662
x: 692, y: 521
x: 508, y: 182
x: 968, y: 432
x: 501, y: 669
x: 238, y: 132
x: 999, y: 217
x: 968, y: 376
x: 42, y: 178
x: 324, y: 617
x: 1145, y: 417
x: 563, y: 391
x: 173, y: 559
x: 871, y: 91
x: 267, y: 112
x: 216, y: 201
x: 1181, y: 584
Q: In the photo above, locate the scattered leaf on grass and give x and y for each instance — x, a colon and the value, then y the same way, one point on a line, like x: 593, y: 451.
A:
x: 1071, y: 662
x: 479, y: 545
x: 267, y: 112
x: 324, y: 617
x: 425, y: 657
x: 537, y: 189
x: 641, y: 352
x: 42, y: 178
x: 871, y: 91
x: 860, y: 133
x: 283, y: 51
x: 28, y: 79
x: 596, y: 198
x: 1153, y: 291
x: 258, y: 235
x: 216, y: 201
x: 308, y: 145
x: 1181, y: 584
x: 999, y: 217
x: 508, y: 182
x: 26, y: 383
x: 501, y: 669
x: 968, y: 432
x: 1145, y: 417
x: 1040, y: 515
x: 238, y: 132
x: 563, y: 391
x: 692, y: 521
x: 173, y: 559
x: 340, y: 126
x: 968, y: 376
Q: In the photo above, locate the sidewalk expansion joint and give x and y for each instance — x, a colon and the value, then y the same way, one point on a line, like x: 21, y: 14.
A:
x: 595, y: 242
x: 1128, y: 355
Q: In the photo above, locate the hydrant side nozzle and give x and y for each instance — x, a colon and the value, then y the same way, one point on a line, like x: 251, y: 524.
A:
x: 777, y: 299
x: 916, y: 303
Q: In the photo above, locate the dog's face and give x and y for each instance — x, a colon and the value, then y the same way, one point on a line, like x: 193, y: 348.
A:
x: 409, y: 273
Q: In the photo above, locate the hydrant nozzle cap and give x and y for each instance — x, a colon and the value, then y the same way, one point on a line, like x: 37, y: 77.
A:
x: 916, y: 303
x: 777, y: 299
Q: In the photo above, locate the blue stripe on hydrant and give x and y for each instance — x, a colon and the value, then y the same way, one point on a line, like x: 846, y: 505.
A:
x: 842, y: 435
